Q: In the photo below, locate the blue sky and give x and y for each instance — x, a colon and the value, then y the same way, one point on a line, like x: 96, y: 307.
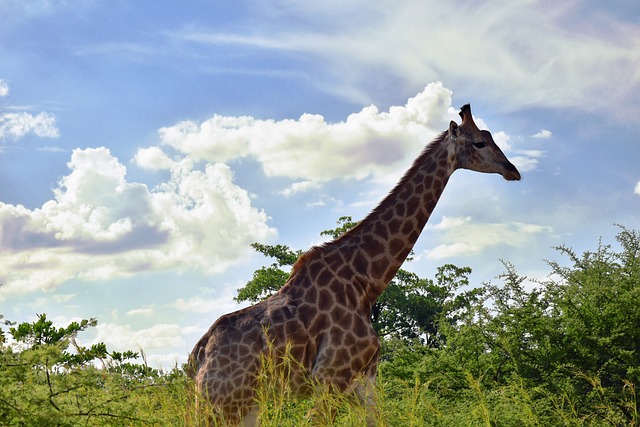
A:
x: 144, y: 145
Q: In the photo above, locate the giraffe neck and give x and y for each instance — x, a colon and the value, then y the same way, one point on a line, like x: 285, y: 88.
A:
x: 387, y: 235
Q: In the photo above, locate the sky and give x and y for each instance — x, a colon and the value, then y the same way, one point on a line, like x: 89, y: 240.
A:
x: 145, y: 145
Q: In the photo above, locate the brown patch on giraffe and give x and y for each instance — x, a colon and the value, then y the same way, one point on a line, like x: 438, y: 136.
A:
x: 374, y: 248
x: 413, y: 204
x: 320, y: 323
x: 347, y: 321
x: 350, y: 296
x: 315, y: 268
x: 297, y: 292
x: 394, y: 226
x: 311, y: 312
x: 334, y: 260
x: 325, y: 277
x: 360, y: 262
x: 432, y: 167
x: 342, y: 355
x: 387, y: 215
x: 395, y: 246
x: 350, y: 341
x: 428, y: 181
x: 408, y: 227
x: 381, y: 231
x: 335, y: 335
x: 325, y: 300
x: 337, y: 288
x: 360, y: 327
x: 379, y: 267
x: 346, y: 272
x: 311, y: 296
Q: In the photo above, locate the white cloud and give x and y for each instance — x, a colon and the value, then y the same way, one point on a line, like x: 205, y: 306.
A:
x: 100, y: 226
x: 44, y: 302
x: 152, y: 158
x: 447, y: 223
x: 311, y: 149
x: 521, y: 54
x: 218, y: 139
x: 214, y: 306
x: 17, y: 125
x: 450, y: 251
x: 121, y: 337
x: 543, y: 134
x: 298, y: 187
x: 4, y: 88
x: 637, y: 189
x: 142, y: 311
x: 462, y: 236
x: 524, y: 163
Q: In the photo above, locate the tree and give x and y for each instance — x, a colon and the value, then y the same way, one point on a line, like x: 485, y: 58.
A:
x: 47, y: 378
x: 597, y: 304
x: 573, y: 336
x: 267, y: 280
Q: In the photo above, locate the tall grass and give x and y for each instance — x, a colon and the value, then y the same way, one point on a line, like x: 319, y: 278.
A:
x: 435, y: 401
x: 95, y: 397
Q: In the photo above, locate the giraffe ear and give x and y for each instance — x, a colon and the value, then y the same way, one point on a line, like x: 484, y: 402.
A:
x: 454, y: 130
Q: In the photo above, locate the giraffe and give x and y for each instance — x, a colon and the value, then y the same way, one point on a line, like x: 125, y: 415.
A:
x: 323, y: 311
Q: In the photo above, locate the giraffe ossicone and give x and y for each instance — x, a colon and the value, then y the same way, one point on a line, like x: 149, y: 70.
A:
x: 323, y: 311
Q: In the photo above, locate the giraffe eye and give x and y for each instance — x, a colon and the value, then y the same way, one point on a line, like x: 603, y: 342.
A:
x: 480, y: 144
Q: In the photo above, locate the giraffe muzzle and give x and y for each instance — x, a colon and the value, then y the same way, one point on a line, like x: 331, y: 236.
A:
x: 510, y: 172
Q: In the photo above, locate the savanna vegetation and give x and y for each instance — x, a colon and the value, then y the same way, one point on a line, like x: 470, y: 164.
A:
x: 562, y: 351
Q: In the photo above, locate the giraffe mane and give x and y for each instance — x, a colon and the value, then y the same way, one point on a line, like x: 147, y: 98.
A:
x: 316, y: 250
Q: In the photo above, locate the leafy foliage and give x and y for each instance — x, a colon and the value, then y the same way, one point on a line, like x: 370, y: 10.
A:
x: 47, y: 378
x: 267, y: 280
x: 569, y: 342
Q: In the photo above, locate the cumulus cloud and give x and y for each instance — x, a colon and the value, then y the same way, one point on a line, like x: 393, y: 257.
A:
x: 299, y: 187
x: 310, y: 148
x: 637, y: 189
x: 214, y: 306
x: 4, y: 88
x: 17, y: 125
x: 142, y: 311
x: 463, y: 236
x: 122, y: 337
x: 447, y: 222
x: 99, y: 225
x: 152, y: 158
x: 543, y: 134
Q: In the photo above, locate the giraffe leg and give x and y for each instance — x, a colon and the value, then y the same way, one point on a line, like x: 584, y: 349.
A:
x: 251, y: 419
x: 366, y: 393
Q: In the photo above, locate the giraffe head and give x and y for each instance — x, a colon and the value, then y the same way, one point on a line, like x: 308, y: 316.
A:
x: 475, y: 149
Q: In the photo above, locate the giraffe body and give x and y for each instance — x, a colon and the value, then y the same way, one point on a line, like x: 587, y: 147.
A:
x: 323, y: 310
